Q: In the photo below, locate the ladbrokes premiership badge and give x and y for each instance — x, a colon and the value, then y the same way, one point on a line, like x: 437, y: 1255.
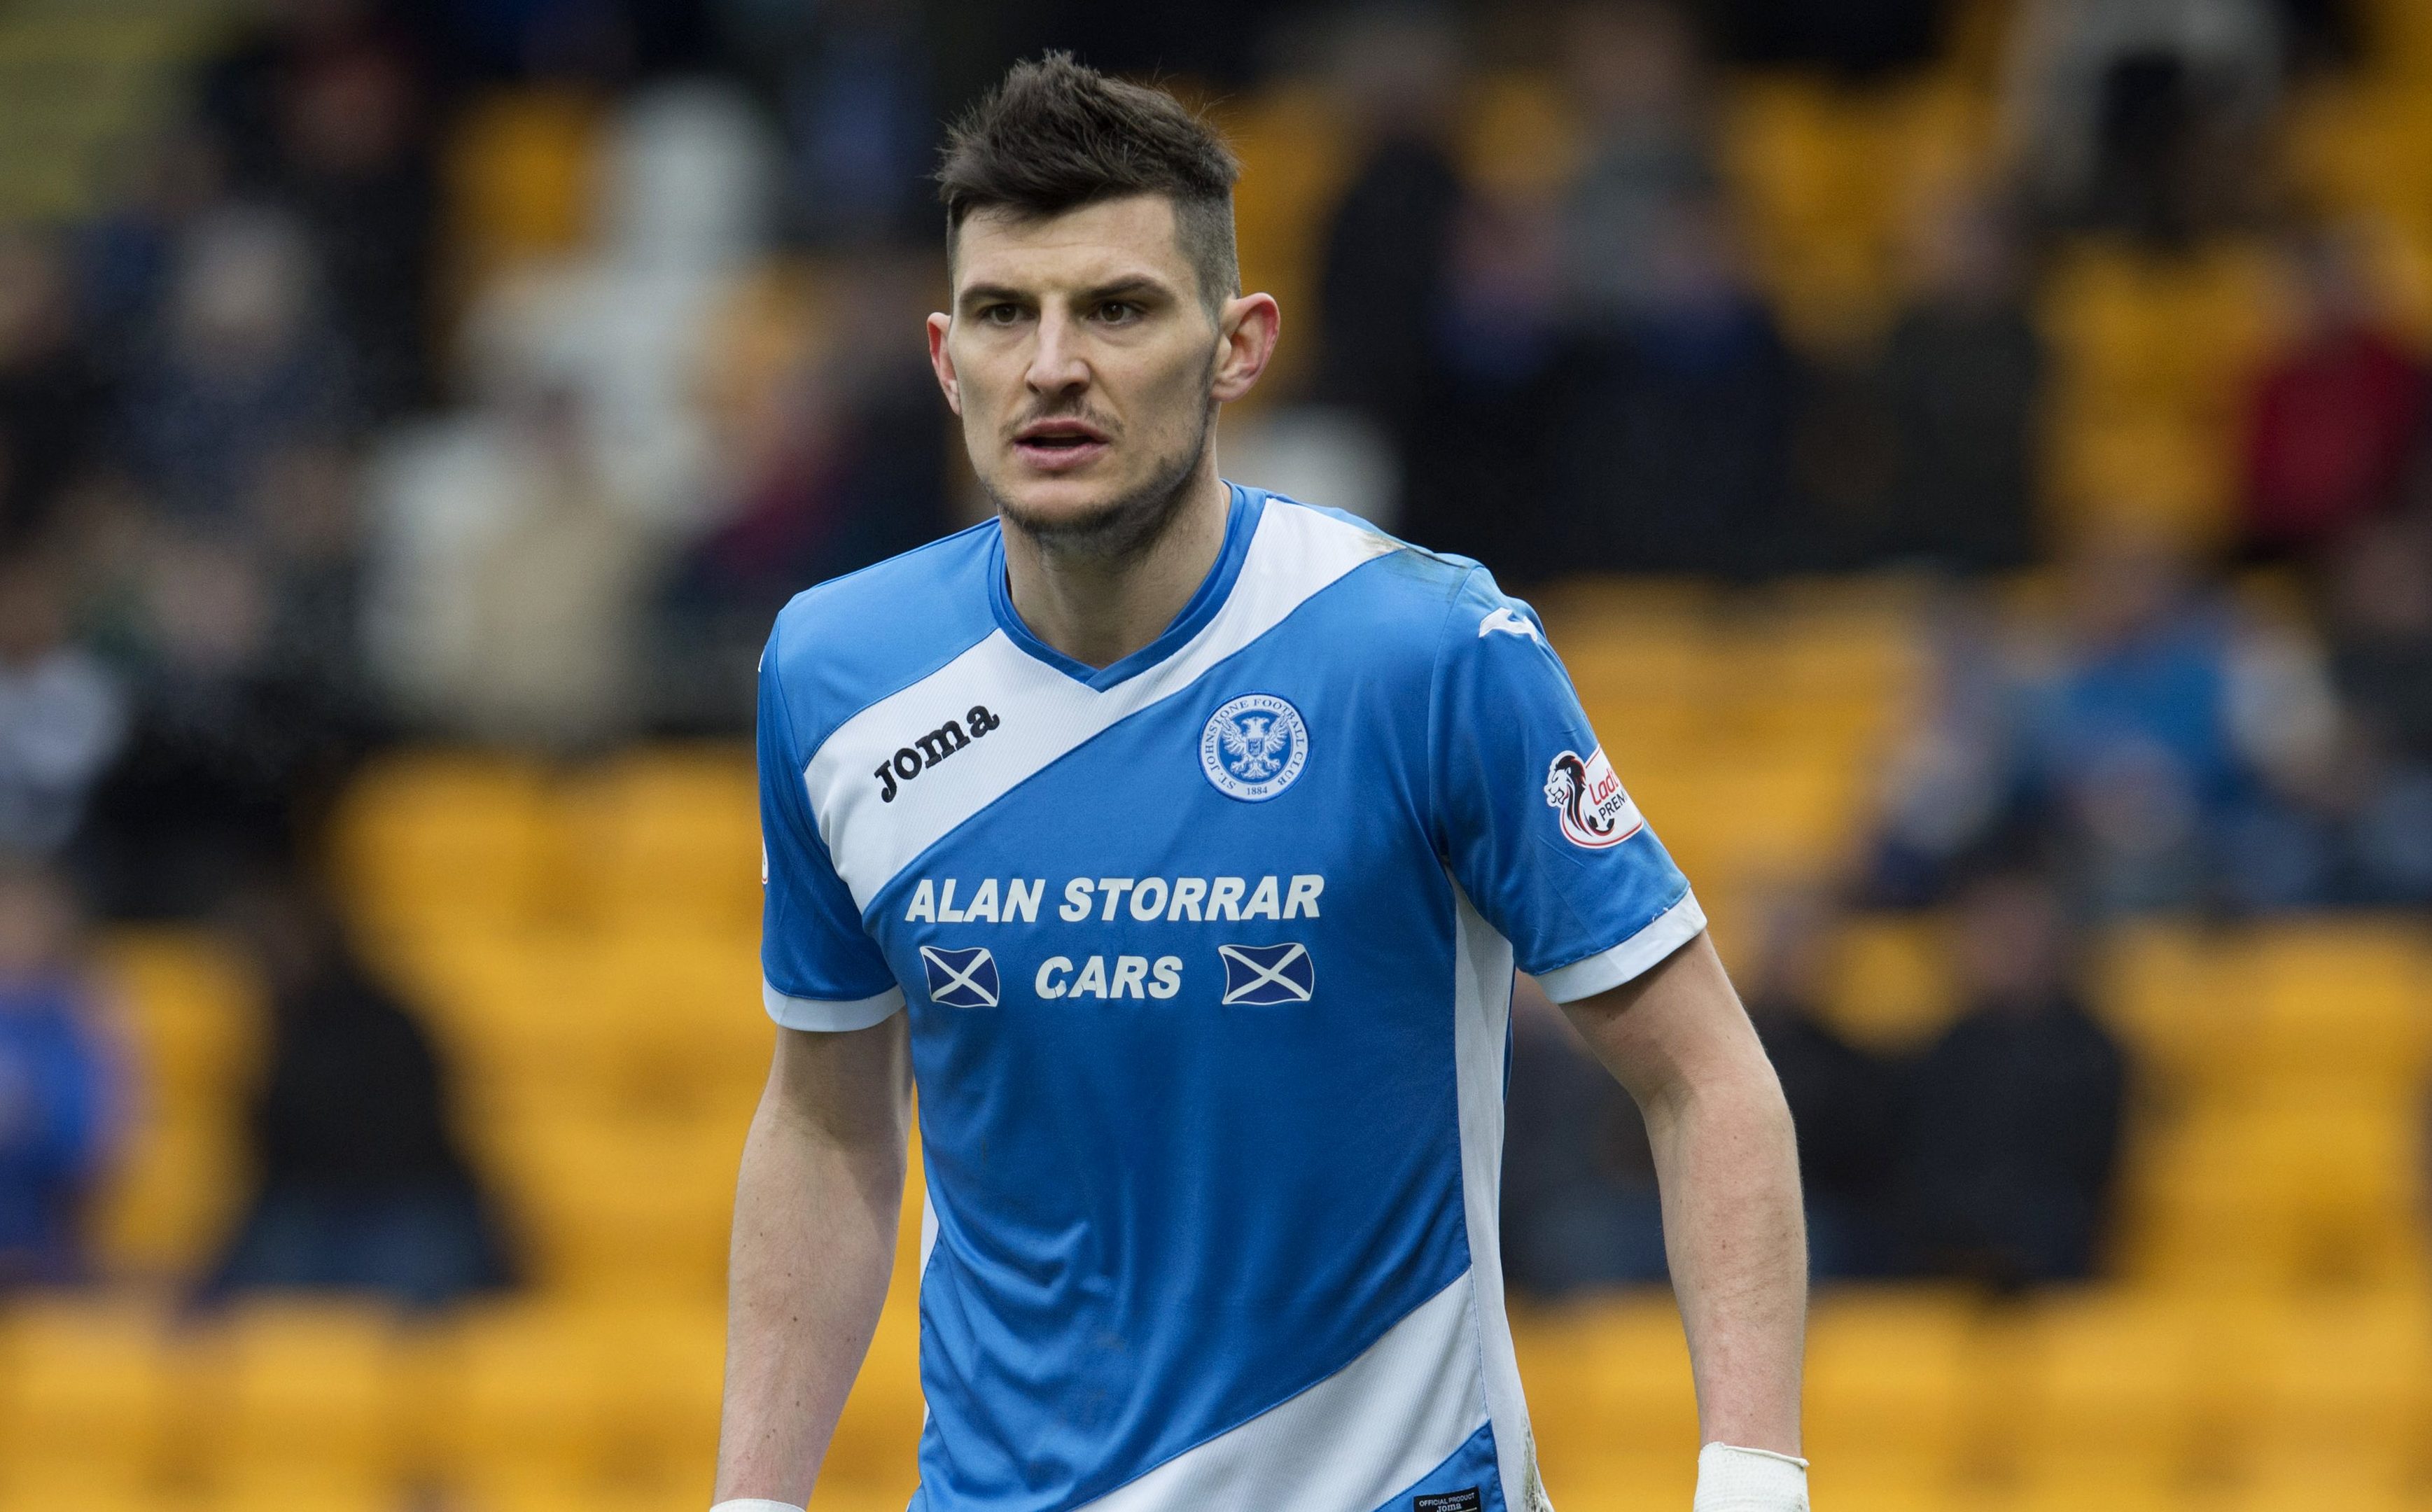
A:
x: 1594, y: 810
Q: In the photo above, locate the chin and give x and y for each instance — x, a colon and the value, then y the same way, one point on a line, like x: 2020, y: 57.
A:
x: 1059, y: 505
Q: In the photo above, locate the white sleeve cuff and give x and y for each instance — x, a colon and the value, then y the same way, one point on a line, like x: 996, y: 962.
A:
x: 1607, y: 969
x: 1731, y: 1479
x: 829, y: 1018
x: 756, y: 1503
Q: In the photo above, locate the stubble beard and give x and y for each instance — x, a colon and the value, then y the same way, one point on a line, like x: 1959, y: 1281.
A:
x: 1124, y: 528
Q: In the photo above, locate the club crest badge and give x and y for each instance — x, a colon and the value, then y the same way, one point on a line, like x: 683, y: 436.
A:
x: 960, y: 979
x: 1254, y: 748
x: 1594, y: 809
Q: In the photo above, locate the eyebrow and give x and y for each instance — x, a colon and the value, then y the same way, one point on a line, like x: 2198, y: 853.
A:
x: 1130, y: 286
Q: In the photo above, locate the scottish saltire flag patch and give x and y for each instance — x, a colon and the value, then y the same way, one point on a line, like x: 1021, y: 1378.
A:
x: 961, y: 978
x: 1263, y: 974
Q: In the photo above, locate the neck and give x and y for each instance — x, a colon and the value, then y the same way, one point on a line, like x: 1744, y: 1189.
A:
x: 1099, y: 607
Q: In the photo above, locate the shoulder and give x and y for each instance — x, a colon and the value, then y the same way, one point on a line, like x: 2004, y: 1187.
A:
x: 1411, y: 612
x: 845, y: 644
x: 1408, y: 583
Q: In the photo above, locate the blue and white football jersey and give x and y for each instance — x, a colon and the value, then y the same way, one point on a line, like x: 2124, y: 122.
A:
x: 1208, y: 959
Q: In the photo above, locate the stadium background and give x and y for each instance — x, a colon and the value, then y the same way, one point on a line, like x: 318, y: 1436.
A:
x: 413, y: 415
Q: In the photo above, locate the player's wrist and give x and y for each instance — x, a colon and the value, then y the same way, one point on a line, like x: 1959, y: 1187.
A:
x: 756, y: 1503
x: 1731, y: 1479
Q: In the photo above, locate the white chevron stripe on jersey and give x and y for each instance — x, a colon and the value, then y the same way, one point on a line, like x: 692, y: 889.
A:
x: 1045, y: 713
x: 1369, y: 1430
x: 1481, y: 1007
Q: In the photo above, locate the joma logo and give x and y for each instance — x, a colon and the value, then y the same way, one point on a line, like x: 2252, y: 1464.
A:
x: 930, y: 748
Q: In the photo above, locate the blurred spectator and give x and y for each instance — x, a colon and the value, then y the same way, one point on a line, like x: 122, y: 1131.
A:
x: 2014, y: 1137
x: 361, y: 1184
x: 2380, y: 628
x: 54, y: 400
x: 320, y: 106
x: 852, y: 87
x: 2161, y: 747
x: 2143, y: 115
x: 2158, y: 724
x: 58, y: 1088
x: 302, y: 515
x: 2380, y: 623
x: 1383, y: 262
x: 1962, y: 374
x: 235, y: 750
x: 1633, y: 72
x: 2333, y: 417
x: 1580, y: 1203
x: 1845, y: 1099
x: 244, y: 365
x: 509, y: 577
x: 838, y: 455
x: 62, y: 715
x: 1858, y: 39
x: 356, y: 165
x: 1671, y: 416
x: 1673, y: 434
x: 1953, y: 784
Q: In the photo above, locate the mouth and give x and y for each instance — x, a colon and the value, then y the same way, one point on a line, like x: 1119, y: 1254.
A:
x: 1060, y: 445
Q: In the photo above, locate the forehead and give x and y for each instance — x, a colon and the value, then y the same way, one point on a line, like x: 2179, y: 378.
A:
x: 1091, y: 245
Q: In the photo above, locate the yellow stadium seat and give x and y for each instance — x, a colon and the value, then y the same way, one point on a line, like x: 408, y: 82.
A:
x: 2315, y: 1192
x: 93, y: 1390
x: 1586, y: 1477
x: 2348, y: 1004
x: 2080, y: 1487
x: 1890, y: 981
x: 1609, y: 1376
x: 1295, y: 161
x: 2326, y: 1380
x: 277, y: 1489
x: 670, y: 841
x: 436, y: 840
x: 2351, y: 1484
x: 1896, y: 1373
x: 521, y: 1393
x: 577, y: 1021
x: 2143, y: 329
x: 623, y: 1206
x: 309, y: 1387
x: 2111, y: 1384
x: 1882, y: 1482
x: 190, y: 1008
x: 521, y: 177
x: 536, y: 1398
x: 171, y: 1192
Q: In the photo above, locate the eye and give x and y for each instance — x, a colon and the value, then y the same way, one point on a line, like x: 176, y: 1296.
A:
x: 1118, y: 312
x: 1000, y: 314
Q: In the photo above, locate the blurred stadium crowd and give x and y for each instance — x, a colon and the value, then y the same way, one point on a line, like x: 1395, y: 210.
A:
x: 1973, y: 454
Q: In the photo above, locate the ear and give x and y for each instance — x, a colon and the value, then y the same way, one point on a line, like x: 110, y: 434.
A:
x: 941, y: 362
x: 1247, y: 330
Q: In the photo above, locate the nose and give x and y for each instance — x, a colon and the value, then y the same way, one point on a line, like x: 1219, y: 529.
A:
x: 1057, y: 363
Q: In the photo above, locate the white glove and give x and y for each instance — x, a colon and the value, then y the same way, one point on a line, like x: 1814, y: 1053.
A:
x: 754, y: 1503
x: 1731, y: 1479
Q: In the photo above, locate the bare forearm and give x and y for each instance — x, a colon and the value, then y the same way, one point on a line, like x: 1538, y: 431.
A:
x: 816, y: 1210
x: 1736, y: 1239
x: 1728, y: 1163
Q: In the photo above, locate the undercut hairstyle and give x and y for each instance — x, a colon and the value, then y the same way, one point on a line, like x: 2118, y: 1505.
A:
x: 1055, y: 136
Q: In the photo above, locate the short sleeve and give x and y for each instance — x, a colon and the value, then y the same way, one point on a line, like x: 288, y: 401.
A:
x: 820, y: 969
x: 1530, y: 815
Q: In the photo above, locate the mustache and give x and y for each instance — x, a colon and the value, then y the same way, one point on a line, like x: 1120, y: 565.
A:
x: 1079, y: 413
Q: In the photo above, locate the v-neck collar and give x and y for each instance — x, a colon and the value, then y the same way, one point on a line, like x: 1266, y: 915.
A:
x: 1241, y: 522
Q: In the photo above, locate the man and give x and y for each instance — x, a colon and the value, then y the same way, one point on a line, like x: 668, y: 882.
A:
x: 1180, y: 840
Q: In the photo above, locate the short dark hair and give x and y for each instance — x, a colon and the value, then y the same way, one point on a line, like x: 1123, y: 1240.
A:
x: 1055, y: 136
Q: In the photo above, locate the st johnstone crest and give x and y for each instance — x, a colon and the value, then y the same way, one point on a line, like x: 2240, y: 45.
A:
x: 1254, y: 748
